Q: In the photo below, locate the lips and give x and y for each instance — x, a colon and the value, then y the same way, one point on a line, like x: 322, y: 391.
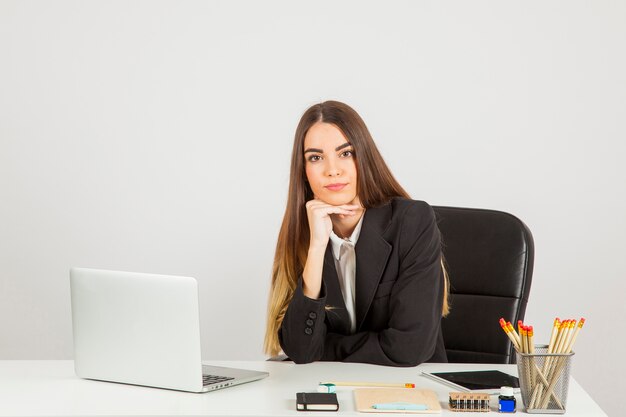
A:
x: 335, y: 187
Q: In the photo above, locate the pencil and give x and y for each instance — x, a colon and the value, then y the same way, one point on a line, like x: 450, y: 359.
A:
x: 580, y: 326
x: 566, y: 335
x: 514, y: 333
x: 508, y: 334
x: 531, y: 342
x: 524, y: 335
x: 534, y: 369
x: 555, y: 329
x: 369, y: 384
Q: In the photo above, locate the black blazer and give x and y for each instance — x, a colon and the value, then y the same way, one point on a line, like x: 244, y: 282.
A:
x: 399, y: 296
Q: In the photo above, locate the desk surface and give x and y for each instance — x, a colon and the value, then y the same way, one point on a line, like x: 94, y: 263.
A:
x: 45, y: 388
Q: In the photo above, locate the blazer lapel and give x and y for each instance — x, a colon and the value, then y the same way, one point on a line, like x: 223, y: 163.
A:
x: 372, y: 252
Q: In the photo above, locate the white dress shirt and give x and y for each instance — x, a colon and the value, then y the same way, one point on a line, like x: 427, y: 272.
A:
x: 345, y: 264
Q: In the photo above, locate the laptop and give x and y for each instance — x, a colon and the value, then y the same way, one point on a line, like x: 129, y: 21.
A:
x: 143, y: 329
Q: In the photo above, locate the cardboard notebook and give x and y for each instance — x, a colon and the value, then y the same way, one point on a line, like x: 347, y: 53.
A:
x: 365, y: 398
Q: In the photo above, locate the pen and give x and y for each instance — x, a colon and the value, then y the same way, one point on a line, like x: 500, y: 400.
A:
x: 368, y: 384
x: 401, y: 405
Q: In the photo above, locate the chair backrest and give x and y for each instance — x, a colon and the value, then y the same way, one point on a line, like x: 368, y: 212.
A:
x: 489, y: 258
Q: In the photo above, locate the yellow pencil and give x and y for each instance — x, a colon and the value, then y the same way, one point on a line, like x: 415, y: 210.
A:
x: 555, y: 329
x: 509, y: 335
x: 524, y: 335
x: 571, y: 344
x: 368, y: 384
x: 514, y: 333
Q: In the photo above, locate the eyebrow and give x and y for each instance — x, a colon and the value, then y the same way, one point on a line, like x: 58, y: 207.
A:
x: 345, y: 145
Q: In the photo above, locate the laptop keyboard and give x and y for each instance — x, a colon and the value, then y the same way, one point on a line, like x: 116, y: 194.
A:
x: 214, y: 379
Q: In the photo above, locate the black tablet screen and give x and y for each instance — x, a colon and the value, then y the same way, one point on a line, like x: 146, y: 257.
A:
x: 478, y: 380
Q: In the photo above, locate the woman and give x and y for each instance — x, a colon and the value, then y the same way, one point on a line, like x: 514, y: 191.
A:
x: 357, y: 274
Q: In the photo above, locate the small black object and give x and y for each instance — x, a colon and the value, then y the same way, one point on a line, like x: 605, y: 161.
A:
x: 316, y: 401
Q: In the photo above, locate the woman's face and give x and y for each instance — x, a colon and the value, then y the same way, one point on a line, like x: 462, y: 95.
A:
x: 330, y: 165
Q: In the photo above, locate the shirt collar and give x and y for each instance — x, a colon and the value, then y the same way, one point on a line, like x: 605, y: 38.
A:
x: 336, y: 241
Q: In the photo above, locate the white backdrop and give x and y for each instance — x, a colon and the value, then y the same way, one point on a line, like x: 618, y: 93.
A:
x: 155, y: 136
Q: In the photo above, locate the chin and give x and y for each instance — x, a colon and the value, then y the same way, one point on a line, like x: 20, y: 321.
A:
x: 338, y: 200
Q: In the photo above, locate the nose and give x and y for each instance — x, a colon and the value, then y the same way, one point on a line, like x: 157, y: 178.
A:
x: 332, y: 169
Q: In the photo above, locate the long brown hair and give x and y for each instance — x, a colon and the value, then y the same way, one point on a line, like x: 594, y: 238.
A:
x: 376, y: 186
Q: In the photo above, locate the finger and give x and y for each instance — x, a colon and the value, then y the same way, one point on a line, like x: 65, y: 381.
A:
x: 318, y: 204
x: 350, y: 206
x: 312, y: 203
x: 315, y: 203
x: 333, y: 210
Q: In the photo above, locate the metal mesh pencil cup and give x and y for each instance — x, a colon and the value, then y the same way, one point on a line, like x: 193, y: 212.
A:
x: 544, y: 380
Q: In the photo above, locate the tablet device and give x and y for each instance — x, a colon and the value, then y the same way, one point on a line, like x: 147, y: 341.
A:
x: 477, y: 381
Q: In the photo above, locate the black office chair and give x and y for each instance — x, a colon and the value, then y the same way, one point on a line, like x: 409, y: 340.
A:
x: 489, y: 258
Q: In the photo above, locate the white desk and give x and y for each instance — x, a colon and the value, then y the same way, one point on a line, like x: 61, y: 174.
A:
x: 47, y: 388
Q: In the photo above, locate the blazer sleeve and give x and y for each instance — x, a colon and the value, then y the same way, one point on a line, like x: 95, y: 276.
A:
x: 415, y: 303
x: 303, y: 330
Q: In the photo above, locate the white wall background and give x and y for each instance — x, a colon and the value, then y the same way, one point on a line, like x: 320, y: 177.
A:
x: 155, y: 136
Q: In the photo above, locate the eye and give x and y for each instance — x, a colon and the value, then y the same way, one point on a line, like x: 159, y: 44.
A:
x: 314, y: 158
x: 347, y: 154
